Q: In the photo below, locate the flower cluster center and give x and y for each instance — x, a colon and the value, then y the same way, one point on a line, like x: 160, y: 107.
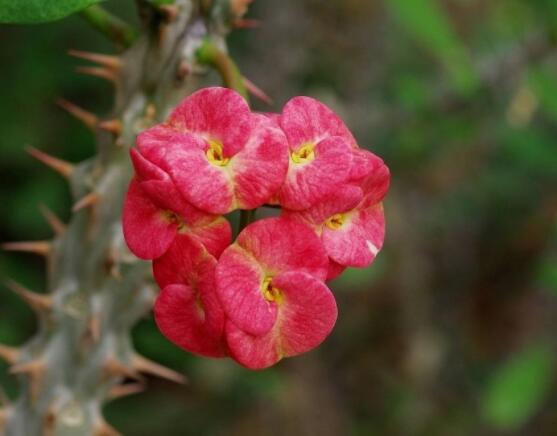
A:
x: 336, y: 221
x: 270, y: 292
x: 304, y: 155
x: 215, y: 154
x: 175, y: 218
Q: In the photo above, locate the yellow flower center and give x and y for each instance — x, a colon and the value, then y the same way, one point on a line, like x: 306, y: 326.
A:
x: 336, y: 221
x: 174, y: 218
x: 270, y: 292
x: 215, y: 155
x: 304, y: 155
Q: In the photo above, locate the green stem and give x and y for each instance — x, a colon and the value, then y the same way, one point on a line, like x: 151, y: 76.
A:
x: 246, y: 218
x: 117, y: 30
x: 209, y: 54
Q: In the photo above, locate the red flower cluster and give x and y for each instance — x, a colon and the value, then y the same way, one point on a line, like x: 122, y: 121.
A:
x: 264, y: 296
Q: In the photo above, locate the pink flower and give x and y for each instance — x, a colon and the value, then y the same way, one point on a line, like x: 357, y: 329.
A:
x: 155, y: 213
x: 320, y: 149
x: 187, y: 310
x: 221, y: 156
x: 270, y: 283
x: 350, y: 220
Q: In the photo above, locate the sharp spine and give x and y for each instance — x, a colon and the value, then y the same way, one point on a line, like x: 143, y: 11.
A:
x: 39, y: 302
x: 108, y: 61
x: 42, y: 248
x: 86, y: 117
x: 147, y: 366
x: 89, y: 200
x: 55, y: 223
x: 62, y: 167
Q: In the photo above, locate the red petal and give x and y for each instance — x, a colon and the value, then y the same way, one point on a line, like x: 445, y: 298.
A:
x: 282, y: 244
x: 305, y: 119
x: 308, y: 183
x: 260, y: 168
x: 239, y: 279
x: 359, y: 239
x: 217, y: 113
x: 204, y: 185
x: 147, y: 231
x: 307, y: 315
x: 182, y: 316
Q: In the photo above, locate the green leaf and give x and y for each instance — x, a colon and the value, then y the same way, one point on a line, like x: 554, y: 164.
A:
x: 428, y: 24
x: 39, y: 11
x: 518, y: 388
x: 543, y: 85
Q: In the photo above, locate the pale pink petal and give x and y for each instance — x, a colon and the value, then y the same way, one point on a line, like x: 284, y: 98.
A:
x: 239, y: 285
x: 359, y: 239
x: 217, y: 114
x: 147, y: 230
x: 307, y: 314
x: 260, y: 168
x: 343, y: 199
x: 282, y: 244
x: 305, y: 119
x: 206, y: 186
x: 308, y: 183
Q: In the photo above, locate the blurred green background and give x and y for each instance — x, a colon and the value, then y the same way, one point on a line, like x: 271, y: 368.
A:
x: 452, y: 331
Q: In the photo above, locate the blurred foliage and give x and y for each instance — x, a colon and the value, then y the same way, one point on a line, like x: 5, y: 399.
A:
x: 451, y: 331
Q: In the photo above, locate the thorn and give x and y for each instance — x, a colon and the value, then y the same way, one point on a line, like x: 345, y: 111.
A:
x: 62, y: 167
x: 103, y: 73
x: 112, y: 126
x: 124, y: 390
x: 86, y: 117
x: 169, y: 12
x: 147, y: 366
x: 89, y: 200
x: 42, y: 248
x: 246, y: 23
x: 35, y: 370
x: 9, y: 354
x: 108, y: 61
x: 94, y: 327
x: 115, y: 368
x: 104, y: 429
x: 257, y: 92
x: 4, y: 415
x: 39, y: 302
x: 55, y: 223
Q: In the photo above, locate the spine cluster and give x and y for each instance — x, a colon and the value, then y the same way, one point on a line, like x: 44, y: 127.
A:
x: 82, y: 355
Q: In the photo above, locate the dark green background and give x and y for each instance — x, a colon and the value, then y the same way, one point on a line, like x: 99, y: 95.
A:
x: 452, y: 330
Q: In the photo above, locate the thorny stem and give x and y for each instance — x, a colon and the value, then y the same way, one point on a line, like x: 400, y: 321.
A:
x: 210, y: 54
x: 118, y: 31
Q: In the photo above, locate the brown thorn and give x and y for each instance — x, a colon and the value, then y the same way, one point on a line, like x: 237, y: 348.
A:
x: 94, y: 327
x: 113, y: 126
x: 124, y: 390
x: 86, y: 117
x: 147, y: 366
x: 184, y: 69
x: 103, y: 73
x: 9, y: 354
x: 104, y: 429
x: 55, y: 223
x: 108, y: 61
x: 257, y: 92
x: 62, y: 167
x: 246, y: 23
x: 115, y: 368
x: 42, y: 248
x: 38, y: 302
x: 89, y: 200
x: 35, y: 370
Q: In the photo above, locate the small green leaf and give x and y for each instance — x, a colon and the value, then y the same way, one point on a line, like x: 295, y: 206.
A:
x: 38, y: 11
x: 519, y: 387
